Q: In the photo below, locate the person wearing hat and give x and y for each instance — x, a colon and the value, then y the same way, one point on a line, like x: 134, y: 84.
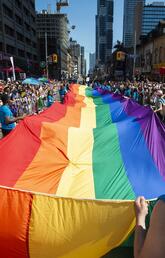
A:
x: 6, y: 116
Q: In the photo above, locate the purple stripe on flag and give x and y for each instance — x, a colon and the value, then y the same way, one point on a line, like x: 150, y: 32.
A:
x: 153, y: 130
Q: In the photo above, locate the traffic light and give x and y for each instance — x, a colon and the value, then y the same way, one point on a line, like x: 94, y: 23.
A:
x: 55, y: 58
x: 120, y: 56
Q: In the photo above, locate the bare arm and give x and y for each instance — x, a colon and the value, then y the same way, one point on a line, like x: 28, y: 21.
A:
x: 140, y: 235
x: 141, y: 210
x: 9, y: 120
x: 154, y: 245
x: 159, y: 109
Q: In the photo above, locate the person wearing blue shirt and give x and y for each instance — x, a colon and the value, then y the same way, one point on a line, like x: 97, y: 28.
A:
x: 50, y: 99
x: 62, y: 93
x: 127, y: 92
x: 6, y: 116
x: 135, y: 95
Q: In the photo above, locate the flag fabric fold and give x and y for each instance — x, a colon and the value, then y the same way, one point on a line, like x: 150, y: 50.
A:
x: 69, y: 175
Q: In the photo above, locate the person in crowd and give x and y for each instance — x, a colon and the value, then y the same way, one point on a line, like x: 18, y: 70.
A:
x: 135, y: 95
x: 160, y: 105
x: 151, y: 243
x: 127, y: 92
x: 40, y: 102
x: 7, y: 119
x: 62, y: 93
x: 50, y: 99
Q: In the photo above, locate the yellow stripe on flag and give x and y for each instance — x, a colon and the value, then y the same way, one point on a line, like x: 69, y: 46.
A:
x: 71, y: 228
x: 77, y: 179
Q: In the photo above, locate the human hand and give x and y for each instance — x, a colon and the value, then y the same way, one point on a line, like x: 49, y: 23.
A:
x: 21, y: 117
x: 141, y: 210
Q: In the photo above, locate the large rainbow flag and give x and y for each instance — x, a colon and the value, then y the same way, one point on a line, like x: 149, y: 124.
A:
x: 69, y: 176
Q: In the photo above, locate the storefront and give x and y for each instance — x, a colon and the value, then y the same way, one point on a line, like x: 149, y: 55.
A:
x: 159, y: 71
x: 162, y: 73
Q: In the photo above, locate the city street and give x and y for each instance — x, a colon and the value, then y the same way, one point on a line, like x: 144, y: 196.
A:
x: 82, y: 129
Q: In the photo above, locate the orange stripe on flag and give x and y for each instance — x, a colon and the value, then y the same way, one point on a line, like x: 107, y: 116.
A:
x: 46, y: 169
x: 15, y: 212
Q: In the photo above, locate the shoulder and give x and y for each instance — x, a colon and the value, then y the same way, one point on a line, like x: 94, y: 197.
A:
x: 156, y: 233
x: 159, y: 210
x: 6, y: 110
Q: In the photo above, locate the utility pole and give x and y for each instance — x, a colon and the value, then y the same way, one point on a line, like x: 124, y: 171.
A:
x: 134, y: 56
x: 46, y: 55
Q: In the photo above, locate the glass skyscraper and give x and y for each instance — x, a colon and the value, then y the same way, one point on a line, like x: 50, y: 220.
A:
x: 104, y: 30
x: 128, y: 24
x: 152, y: 14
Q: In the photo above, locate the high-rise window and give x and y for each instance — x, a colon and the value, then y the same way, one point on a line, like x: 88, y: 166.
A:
x: 18, y: 20
x: 20, y: 37
x: 9, y: 31
x: 1, y: 46
x: 10, y: 49
x: 7, y: 11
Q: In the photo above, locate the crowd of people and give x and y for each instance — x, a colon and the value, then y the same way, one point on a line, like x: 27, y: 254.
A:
x: 31, y: 99
x: 18, y: 100
x: 145, y: 93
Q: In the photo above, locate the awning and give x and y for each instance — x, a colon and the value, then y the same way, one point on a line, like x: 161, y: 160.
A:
x: 162, y: 71
x: 9, y: 69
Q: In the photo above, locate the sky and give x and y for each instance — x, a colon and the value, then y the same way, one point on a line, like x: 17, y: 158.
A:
x: 81, y: 13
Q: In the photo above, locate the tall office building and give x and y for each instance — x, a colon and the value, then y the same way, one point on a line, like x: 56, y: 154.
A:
x: 54, y: 28
x: 92, y: 62
x: 138, y: 21
x: 18, y: 34
x: 129, y: 18
x: 152, y: 15
x: 104, y: 31
x: 83, y: 63
x: 76, y: 57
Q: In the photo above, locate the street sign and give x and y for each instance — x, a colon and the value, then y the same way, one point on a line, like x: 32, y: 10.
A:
x: 50, y: 59
x: 43, y: 64
x: 119, y: 73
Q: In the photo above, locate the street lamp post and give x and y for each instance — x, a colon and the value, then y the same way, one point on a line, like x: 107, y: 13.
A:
x: 134, y: 57
x: 46, y: 54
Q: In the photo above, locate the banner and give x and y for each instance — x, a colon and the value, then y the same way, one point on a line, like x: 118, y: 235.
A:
x: 12, y: 63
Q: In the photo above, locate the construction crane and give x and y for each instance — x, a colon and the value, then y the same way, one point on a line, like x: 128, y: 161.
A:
x: 61, y: 3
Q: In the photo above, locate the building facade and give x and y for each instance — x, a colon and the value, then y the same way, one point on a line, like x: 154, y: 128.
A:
x: 78, y: 57
x: 151, y: 53
x: 152, y: 15
x: 104, y: 31
x: 129, y: 21
x: 18, y: 34
x: 53, y: 28
x: 75, y: 50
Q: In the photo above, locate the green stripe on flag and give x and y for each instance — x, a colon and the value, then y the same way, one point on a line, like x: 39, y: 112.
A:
x: 109, y: 174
